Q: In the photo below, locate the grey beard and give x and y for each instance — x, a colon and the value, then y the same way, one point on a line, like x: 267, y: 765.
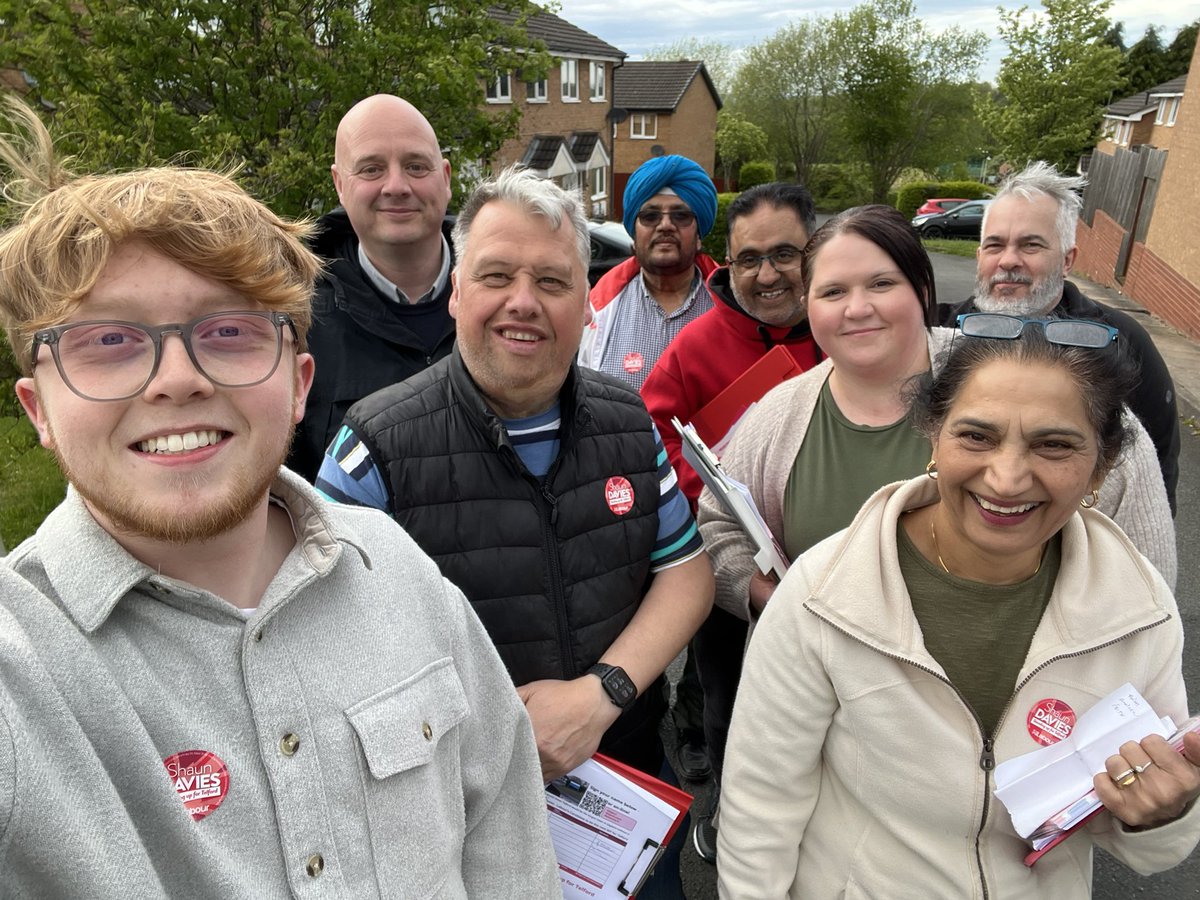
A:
x: 1042, y: 298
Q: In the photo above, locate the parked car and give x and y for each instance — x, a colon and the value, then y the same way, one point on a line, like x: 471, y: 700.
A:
x: 939, y: 205
x: 963, y: 221
x: 611, y: 245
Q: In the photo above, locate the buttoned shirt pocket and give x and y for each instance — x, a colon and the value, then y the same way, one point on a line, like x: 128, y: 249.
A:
x: 412, y: 779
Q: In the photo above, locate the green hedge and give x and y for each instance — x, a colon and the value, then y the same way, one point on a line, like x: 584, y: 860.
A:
x: 754, y: 173
x: 912, y: 196
x: 837, y: 186
x: 714, y: 242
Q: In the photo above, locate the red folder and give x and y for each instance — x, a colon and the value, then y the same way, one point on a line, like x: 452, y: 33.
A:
x: 714, y: 421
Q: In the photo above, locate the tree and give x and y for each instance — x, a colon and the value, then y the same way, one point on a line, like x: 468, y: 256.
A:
x: 262, y: 83
x: 1145, y: 65
x: 738, y: 141
x: 1054, y: 83
x: 787, y: 85
x: 1179, y: 54
x: 719, y: 58
x: 907, y: 91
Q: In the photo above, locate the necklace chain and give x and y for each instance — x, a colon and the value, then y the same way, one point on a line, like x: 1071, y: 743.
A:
x: 938, y: 553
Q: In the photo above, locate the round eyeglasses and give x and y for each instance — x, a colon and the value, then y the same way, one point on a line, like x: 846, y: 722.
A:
x: 109, y: 360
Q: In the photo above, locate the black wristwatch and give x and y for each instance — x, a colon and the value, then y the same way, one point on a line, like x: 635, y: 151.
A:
x: 620, y: 689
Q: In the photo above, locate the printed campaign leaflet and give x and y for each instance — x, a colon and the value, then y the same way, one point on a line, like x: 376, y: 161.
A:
x: 608, y: 829
x: 1035, y: 786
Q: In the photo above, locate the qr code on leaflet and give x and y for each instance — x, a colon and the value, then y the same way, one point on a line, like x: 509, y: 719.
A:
x: 593, y: 803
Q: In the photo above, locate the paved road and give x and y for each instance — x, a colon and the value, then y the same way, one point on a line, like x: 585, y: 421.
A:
x: 955, y: 280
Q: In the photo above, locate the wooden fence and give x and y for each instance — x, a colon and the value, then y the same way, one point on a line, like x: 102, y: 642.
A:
x: 1124, y: 186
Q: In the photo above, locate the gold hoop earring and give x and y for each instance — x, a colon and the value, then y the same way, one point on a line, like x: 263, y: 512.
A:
x: 931, y: 469
x: 1088, y: 504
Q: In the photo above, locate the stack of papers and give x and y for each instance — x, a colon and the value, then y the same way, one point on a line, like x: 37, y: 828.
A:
x: 609, y: 825
x: 1037, y: 785
x: 736, y: 499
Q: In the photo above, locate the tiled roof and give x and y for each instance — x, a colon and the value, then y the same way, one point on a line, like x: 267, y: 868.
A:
x: 657, y: 86
x: 560, y: 35
x: 582, y: 145
x: 542, y: 150
x: 1137, y: 105
x: 1174, y: 86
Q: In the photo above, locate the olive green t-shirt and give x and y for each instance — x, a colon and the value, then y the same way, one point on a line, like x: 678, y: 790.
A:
x: 979, y: 633
x: 839, y: 465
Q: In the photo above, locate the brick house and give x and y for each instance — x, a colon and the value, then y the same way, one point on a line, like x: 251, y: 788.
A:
x: 1148, y: 117
x: 564, y: 133
x: 672, y: 108
x: 1142, y: 208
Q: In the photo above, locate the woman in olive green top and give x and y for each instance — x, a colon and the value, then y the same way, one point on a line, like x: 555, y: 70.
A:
x: 871, y: 301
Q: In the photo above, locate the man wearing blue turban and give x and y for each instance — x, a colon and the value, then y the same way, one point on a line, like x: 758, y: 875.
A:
x: 642, y: 304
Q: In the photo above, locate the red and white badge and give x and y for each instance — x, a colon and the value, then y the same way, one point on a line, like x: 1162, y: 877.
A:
x: 1050, y: 721
x: 201, y: 780
x: 633, y: 362
x: 618, y: 494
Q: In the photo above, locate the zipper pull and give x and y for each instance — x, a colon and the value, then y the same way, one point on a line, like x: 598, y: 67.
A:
x: 987, y: 760
x: 553, y: 501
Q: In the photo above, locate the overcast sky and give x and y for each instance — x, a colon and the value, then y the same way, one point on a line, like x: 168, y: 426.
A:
x: 637, y: 27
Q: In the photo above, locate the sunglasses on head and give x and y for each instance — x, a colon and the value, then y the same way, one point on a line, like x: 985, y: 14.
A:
x: 1065, y: 332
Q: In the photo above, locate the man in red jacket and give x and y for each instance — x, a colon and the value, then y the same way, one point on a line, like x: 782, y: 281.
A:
x: 758, y: 304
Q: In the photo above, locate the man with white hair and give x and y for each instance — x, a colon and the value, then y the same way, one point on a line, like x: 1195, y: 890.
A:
x: 1027, y: 248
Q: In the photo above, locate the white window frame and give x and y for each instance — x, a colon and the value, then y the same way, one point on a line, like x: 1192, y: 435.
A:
x: 569, y: 75
x: 1173, y: 111
x: 640, y: 132
x: 500, y: 90
x: 537, y: 91
x: 598, y: 183
x: 597, y: 88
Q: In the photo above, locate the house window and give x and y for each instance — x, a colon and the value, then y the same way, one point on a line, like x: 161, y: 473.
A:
x: 599, y: 183
x: 643, y: 126
x: 596, y: 81
x: 570, y: 80
x: 535, y: 91
x: 1173, y: 111
x: 500, y: 90
x: 1124, y: 133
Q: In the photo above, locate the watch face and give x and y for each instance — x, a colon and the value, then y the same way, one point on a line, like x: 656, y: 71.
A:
x: 620, y: 688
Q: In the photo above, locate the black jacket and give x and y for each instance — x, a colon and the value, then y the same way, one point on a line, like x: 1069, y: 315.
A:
x: 554, y: 573
x: 1153, y: 400
x: 359, y: 341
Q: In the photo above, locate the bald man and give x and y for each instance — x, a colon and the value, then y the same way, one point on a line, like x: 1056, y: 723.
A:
x: 380, y: 313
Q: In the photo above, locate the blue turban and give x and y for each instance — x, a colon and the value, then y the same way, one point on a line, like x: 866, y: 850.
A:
x: 680, y: 174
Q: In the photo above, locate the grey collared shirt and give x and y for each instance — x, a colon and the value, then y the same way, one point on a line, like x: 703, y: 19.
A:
x: 360, y: 735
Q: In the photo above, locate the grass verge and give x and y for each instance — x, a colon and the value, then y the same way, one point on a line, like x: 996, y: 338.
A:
x: 953, y: 247
x: 30, y: 482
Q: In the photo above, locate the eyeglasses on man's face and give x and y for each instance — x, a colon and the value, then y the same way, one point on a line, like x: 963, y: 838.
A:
x: 783, y: 259
x: 112, y: 360
x: 1065, y: 332
x: 680, y: 218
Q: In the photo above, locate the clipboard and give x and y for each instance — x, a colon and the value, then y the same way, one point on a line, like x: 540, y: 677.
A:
x: 716, y: 419
x: 610, y: 825
x: 652, y: 850
x: 735, y: 497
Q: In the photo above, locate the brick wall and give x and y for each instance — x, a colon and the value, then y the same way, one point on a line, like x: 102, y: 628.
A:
x: 1149, y: 280
x: 555, y: 116
x: 1163, y: 291
x: 1172, y: 236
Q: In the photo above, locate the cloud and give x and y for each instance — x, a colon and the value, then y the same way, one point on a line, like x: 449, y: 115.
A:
x: 638, y: 28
